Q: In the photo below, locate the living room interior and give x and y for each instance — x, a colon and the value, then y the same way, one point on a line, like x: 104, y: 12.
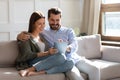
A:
x: 96, y: 25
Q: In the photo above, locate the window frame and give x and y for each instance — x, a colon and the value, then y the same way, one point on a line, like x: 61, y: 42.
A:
x: 108, y: 8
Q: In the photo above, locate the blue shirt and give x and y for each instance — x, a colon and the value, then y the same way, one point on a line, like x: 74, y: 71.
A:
x: 66, y: 34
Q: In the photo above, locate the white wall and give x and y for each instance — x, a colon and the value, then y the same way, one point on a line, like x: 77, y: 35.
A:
x: 14, y: 14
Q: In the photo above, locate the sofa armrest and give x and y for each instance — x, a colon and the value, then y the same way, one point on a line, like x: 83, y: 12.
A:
x: 111, y: 53
x: 88, y: 67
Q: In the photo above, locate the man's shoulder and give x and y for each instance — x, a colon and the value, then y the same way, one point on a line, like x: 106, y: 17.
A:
x: 66, y: 28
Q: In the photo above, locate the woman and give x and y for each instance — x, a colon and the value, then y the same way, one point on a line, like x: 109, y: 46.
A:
x: 35, y: 55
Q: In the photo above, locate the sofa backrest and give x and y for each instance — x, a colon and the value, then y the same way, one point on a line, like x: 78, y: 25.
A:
x: 8, y: 53
x: 89, y: 46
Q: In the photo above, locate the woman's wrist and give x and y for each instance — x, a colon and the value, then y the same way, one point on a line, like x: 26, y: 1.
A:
x: 40, y: 54
x: 47, y: 52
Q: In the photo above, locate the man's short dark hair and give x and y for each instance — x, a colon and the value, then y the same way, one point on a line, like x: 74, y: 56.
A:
x: 55, y: 11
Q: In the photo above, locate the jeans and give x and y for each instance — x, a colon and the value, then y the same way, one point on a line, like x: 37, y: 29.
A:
x: 53, y: 64
x: 66, y: 66
x: 33, y: 61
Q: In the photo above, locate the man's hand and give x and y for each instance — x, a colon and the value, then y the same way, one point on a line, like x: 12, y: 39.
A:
x: 68, y: 49
x: 23, y: 36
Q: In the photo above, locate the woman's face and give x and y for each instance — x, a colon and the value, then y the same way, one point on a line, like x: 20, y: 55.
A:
x: 39, y: 25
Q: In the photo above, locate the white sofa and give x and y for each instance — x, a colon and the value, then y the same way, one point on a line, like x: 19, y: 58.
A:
x: 98, y: 62
x: 8, y: 54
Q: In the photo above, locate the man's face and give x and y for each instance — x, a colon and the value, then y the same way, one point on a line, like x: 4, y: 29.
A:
x: 54, y: 21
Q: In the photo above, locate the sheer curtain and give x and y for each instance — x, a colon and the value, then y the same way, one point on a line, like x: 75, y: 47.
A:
x: 91, y: 14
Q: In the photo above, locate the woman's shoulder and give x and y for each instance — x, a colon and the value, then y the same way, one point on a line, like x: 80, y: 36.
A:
x: 25, y: 42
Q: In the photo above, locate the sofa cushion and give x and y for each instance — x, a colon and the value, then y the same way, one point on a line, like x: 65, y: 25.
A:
x: 8, y: 53
x: 115, y: 79
x: 89, y: 46
x: 12, y: 74
x: 108, y: 70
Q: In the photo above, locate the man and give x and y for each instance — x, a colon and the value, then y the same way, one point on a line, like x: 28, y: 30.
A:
x: 54, y: 32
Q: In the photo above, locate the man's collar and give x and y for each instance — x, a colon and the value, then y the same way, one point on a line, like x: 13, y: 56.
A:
x: 56, y: 30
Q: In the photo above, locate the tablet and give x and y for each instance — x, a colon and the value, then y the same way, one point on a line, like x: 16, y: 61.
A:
x: 61, y: 46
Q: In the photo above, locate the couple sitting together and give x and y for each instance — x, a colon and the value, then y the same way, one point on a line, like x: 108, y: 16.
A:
x: 38, y: 52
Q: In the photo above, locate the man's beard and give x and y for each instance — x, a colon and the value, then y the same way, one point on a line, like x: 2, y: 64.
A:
x: 55, y: 27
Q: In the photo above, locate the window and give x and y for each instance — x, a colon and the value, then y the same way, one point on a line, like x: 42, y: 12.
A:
x: 110, y: 20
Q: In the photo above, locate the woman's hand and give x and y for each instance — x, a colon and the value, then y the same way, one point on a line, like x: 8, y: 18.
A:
x: 52, y: 51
